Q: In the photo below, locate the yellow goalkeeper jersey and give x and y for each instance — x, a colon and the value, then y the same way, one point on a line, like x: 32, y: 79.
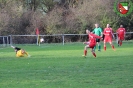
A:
x: 20, y: 53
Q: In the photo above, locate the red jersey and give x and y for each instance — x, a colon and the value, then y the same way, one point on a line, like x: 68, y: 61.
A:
x: 121, y: 31
x: 92, y: 38
x: 108, y: 32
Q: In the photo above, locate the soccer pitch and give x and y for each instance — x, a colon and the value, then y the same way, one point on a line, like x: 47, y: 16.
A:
x: 58, y: 66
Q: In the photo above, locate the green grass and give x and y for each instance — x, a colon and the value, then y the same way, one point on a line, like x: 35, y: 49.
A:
x: 58, y: 66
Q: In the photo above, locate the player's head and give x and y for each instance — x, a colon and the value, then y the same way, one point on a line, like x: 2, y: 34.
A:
x: 108, y: 25
x: 96, y: 25
x: 121, y: 26
x: 22, y: 51
x: 87, y: 31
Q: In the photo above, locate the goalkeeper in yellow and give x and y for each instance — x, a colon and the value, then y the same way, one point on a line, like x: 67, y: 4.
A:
x: 20, y: 52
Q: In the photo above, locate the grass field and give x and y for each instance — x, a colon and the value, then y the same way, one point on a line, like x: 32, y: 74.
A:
x: 58, y: 66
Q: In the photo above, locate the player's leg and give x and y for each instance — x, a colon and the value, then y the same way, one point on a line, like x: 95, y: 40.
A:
x: 91, y: 46
x: 110, y: 42
x: 118, y: 40
x: 93, y: 52
x: 112, y: 45
x: 12, y: 46
x: 118, y: 43
x: 121, y: 39
x: 94, y: 48
x: 105, y: 40
x: 17, y: 54
x: 85, y: 50
x: 99, y: 45
x: 104, y: 45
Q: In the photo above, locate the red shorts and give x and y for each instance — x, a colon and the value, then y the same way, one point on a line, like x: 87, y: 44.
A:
x: 121, y: 37
x: 92, y: 45
x: 108, y: 39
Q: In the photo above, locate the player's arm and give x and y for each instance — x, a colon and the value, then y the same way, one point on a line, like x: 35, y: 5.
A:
x: 93, y: 31
x: 124, y: 33
x: 26, y: 53
x: 101, y: 32
x: 104, y: 32
x: 102, y: 36
x: 117, y: 33
x: 112, y: 33
x: 96, y: 36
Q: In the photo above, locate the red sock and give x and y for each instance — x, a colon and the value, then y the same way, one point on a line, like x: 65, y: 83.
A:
x: 113, y: 47
x: 94, y: 54
x: 120, y: 43
x: 104, y: 48
x: 85, y: 52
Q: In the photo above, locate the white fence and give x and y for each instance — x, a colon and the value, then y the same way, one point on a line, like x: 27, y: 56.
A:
x: 61, y: 37
x: 4, y: 40
x: 57, y: 38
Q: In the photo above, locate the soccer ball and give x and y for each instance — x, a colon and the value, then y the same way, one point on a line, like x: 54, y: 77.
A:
x: 41, y: 40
